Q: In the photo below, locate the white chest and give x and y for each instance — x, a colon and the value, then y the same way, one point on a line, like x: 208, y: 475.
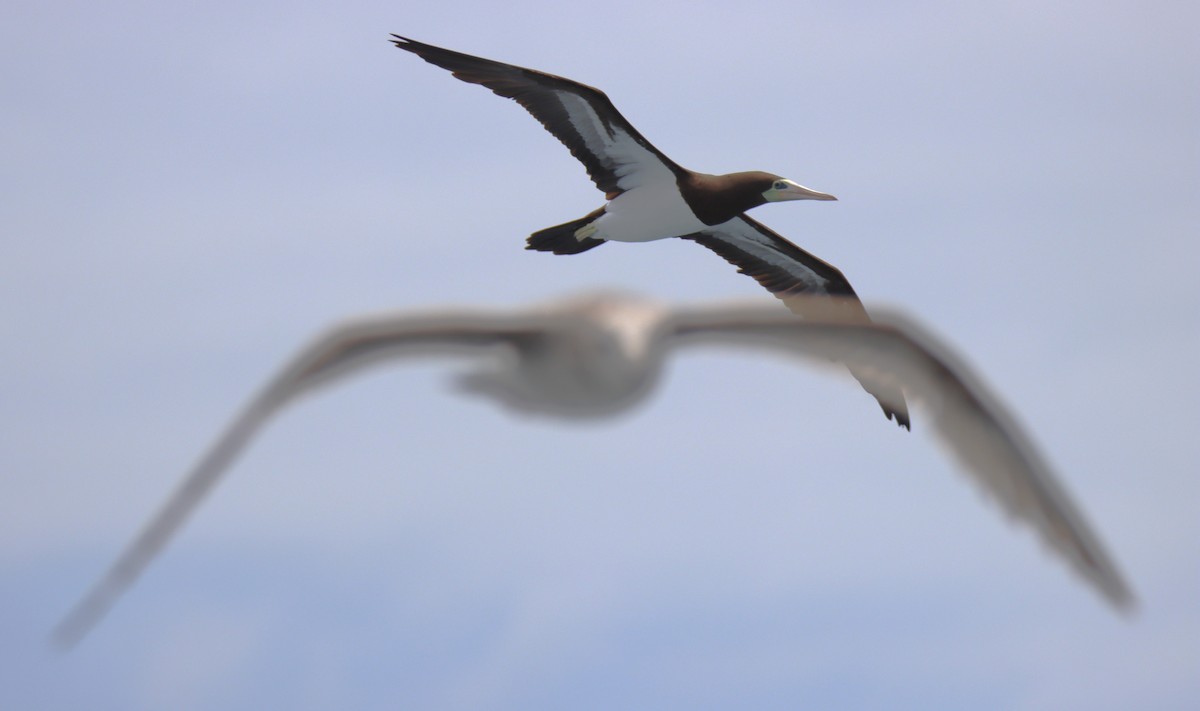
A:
x: 650, y: 212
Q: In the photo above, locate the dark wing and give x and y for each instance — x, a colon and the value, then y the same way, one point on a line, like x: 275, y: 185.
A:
x: 988, y: 442
x: 616, y: 156
x: 344, y: 350
x: 795, y: 276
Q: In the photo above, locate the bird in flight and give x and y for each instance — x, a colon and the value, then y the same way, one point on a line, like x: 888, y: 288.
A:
x: 600, y: 355
x: 651, y: 197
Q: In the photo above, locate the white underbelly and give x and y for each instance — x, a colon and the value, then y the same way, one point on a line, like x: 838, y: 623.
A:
x: 647, y: 213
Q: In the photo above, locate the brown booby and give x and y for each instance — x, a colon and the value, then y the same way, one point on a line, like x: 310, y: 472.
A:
x: 600, y: 355
x: 652, y: 197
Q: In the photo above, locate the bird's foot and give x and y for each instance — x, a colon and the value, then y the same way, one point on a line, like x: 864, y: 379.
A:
x: 586, y: 231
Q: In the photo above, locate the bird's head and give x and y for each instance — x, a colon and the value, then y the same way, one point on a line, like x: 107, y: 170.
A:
x: 782, y: 189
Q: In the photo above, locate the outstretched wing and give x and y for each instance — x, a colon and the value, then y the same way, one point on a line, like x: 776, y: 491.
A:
x: 987, y: 441
x: 344, y: 350
x: 795, y: 276
x: 616, y: 156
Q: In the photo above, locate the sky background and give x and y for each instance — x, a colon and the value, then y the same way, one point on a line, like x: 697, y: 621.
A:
x: 190, y: 191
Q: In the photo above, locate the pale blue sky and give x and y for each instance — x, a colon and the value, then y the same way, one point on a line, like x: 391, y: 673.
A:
x: 191, y: 191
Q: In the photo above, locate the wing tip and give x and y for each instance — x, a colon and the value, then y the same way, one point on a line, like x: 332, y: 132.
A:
x: 1125, y: 602
x: 1110, y: 583
x: 80, y: 620
x: 403, y: 42
x: 897, y: 411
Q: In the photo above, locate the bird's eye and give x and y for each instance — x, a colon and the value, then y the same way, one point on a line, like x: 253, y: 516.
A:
x: 780, y: 185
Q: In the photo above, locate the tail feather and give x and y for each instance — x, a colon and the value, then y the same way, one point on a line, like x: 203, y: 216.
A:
x: 561, y: 239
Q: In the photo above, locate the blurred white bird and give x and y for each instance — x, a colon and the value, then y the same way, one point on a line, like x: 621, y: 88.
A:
x: 600, y: 355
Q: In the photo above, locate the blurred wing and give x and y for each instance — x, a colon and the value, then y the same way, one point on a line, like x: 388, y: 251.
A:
x: 986, y: 440
x: 346, y: 349
x: 616, y: 156
x: 796, y: 277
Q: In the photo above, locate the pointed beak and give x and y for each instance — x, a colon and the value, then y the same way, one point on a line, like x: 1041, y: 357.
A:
x: 799, y: 192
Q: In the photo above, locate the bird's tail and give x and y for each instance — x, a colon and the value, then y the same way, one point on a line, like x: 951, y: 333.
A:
x: 561, y: 239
